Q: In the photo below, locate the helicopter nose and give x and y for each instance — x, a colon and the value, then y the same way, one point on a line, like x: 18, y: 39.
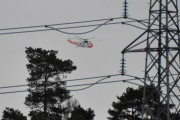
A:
x: 91, y: 46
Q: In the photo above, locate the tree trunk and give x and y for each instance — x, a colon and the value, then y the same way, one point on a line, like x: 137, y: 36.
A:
x: 45, y: 99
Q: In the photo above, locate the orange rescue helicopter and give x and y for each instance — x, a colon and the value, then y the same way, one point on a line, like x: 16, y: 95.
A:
x: 85, y: 43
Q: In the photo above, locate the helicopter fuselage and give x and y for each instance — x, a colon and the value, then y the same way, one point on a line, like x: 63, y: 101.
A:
x: 84, y: 44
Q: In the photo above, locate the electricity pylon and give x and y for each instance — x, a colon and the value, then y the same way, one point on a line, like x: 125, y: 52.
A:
x: 161, y: 43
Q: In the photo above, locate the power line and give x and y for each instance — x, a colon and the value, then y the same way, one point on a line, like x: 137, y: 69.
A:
x: 82, y: 32
x: 78, y: 85
x: 82, y: 79
x: 14, y: 86
x: 91, y: 84
x: 72, y: 80
x: 113, y: 75
x: 41, y: 30
x: 107, y: 82
x: 86, y: 84
x: 59, y: 24
x: 13, y: 92
x: 43, y: 27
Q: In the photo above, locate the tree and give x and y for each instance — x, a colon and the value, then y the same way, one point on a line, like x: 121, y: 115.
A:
x: 47, y: 91
x: 80, y: 114
x: 71, y: 104
x: 11, y: 114
x: 129, y: 105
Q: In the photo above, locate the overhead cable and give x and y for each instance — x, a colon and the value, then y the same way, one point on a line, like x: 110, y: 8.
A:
x: 78, y: 85
x: 40, y: 28
x: 91, y: 84
x: 79, y: 22
x: 71, y: 80
x: 87, y: 78
x: 60, y: 24
x: 135, y: 78
x: 81, y: 32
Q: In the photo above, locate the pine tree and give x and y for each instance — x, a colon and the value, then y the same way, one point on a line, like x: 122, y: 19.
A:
x: 47, y: 91
x: 81, y: 114
x: 129, y: 105
x: 11, y: 114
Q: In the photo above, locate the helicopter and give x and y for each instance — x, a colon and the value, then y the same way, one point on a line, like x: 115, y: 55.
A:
x: 85, y: 43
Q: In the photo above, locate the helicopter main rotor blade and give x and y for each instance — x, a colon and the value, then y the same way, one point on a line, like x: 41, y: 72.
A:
x: 76, y: 38
x: 90, y: 38
x: 80, y: 38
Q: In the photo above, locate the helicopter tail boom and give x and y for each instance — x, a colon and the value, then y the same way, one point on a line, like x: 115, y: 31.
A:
x: 72, y: 42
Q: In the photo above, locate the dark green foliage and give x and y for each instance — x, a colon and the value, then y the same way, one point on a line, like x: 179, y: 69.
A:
x: 129, y: 105
x: 71, y: 104
x: 11, y: 114
x: 47, y: 91
x: 80, y: 114
x: 39, y: 115
x: 175, y: 116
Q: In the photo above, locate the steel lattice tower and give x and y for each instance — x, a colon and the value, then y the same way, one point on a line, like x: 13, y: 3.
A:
x: 161, y: 43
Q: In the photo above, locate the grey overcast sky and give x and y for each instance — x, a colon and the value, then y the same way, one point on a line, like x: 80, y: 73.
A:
x: 103, y: 59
